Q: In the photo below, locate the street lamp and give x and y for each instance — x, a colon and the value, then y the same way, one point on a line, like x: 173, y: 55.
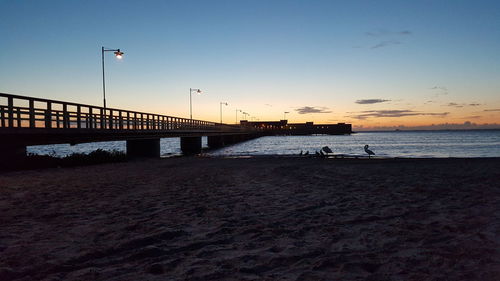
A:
x: 237, y: 110
x: 222, y: 103
x: 284, y: 114
x: 246, y: 115
x: 198, y: 91
x: 118, y: 55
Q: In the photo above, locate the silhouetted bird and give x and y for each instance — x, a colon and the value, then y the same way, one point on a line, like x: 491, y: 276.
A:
x: 326, y: 149
x: 370, y: 153
x: 300, y: 153
x: 307, y: 153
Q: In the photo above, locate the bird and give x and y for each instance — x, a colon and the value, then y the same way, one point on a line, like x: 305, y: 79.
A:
x: 301, y: 152
x: 307, y: 153
x: 370, y: 153
x: 327, y: 150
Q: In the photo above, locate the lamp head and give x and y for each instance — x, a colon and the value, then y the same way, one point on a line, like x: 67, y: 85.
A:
x: 119, y: 54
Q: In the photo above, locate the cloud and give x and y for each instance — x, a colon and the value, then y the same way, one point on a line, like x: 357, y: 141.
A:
x: 442, y: 90
x: 385, y: 44
x: 439, y: 88
x: 472, y: 117
x: 393, y: 114
x: 494, y: 109
x: 382, y: 32
x: 312, y: 109
x: 467, y: 125
x: 459, y: 105
x: 371, y: 101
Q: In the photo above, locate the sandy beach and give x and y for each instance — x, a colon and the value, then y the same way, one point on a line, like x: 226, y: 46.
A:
x: 253, y: 219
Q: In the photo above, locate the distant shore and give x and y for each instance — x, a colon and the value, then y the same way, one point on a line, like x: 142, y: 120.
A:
x: 293, y: 218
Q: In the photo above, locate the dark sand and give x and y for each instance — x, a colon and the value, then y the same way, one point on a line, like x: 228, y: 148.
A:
x: 253, y: 219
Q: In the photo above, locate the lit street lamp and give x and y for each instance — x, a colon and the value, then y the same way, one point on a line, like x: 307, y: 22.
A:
x: 198, y: 91
x: 222, y: 103
x: 118, y: 55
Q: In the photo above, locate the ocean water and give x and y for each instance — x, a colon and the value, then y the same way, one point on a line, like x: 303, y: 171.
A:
x: 413, y: 144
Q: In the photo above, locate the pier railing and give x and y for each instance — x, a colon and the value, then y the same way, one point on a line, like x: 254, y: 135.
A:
x: 30, y: 112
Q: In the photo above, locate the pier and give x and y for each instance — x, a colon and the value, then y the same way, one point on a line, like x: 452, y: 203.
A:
x: 282, y: 127
x: 26, y: 121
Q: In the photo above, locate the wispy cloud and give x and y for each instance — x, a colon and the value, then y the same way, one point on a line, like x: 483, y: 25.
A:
x: 443, y: 126
x: 440, y: 90
x: 459, y: 105
x: 494, y: 109
x: 382, y: 32
x: 385, y: 44
x: 393, y: 114
x: 386, y: 37
x: 472, y: 117
x: 312, y: 109
x: 371, y: 101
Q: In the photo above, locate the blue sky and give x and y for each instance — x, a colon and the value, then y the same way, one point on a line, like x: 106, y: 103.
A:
x: 371, y: 63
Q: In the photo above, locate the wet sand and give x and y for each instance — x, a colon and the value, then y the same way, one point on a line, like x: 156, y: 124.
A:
x: 253, y: 219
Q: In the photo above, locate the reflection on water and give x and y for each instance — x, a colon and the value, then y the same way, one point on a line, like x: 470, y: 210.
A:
x: 385, y: 144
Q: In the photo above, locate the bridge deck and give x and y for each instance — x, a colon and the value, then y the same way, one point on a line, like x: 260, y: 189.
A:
x: 30, y: 121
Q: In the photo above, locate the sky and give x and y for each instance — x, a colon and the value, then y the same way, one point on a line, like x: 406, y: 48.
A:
x: 375, y: 64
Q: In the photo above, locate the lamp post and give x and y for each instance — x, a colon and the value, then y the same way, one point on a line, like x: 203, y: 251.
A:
x: 118, y: 55
x: 284, y: 114
x: 246, y: 115
x: 198, y: 91
x: 222, y: 103
x: 237, y: 110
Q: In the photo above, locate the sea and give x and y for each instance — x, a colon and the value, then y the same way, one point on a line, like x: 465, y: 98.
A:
x: 409, y: 144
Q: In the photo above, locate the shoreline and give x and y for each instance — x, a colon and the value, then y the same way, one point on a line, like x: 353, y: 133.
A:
x: 201, y: 218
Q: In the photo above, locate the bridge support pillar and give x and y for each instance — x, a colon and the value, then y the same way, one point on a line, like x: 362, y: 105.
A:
x: 12, y: 155
x: 215, y: 141
x: 191, y: 145
x: 142, y: 148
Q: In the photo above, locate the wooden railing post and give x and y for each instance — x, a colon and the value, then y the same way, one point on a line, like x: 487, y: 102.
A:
x: 48, y: 115
x: 32, y: 113
x: 10, y: 104
x: 128, y: 120
x: 19, y: 125
x: 78, y: 117
x: 110, y: 119
x: 2, y: 117
x: 90, y: 118
x: 103, y: 121
x: 65, y: 116
x: 120, y: 118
